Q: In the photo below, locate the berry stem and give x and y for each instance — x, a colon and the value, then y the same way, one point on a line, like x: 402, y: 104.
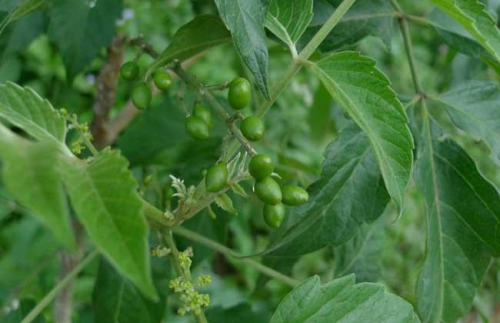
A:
x: 231, y: 253
x: 212, y: 100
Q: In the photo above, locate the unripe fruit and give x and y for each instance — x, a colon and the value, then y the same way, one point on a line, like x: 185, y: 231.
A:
x: 141, y: 96
x: 268, y: 191
x: 129, y: 71
x: 294, y: 195
x: 252, y: 128
x: 274, y: 215
x: 197, y: 128
x: 216, y: 178
x: 240, y: 93
x: 202, y: 112
x: 261, y: 166
x: 162, y: 80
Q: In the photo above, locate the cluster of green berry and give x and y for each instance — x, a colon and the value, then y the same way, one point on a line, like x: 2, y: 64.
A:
x: 141, y: 93
x: 266, y: 188
x: 198, y: 125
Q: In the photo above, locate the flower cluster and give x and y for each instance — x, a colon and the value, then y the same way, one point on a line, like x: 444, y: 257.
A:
x: 83, y: 131
x: 192, y: 300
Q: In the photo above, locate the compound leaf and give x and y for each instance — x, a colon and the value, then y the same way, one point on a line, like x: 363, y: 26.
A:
x: 463, y: 217
x: 364, y: 92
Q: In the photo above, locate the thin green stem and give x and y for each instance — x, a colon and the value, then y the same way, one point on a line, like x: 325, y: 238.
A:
x: 60, y: 286
x: 212, y: 100
x: 405, y: 31
x: 304, y: 55
x: 231, y: 253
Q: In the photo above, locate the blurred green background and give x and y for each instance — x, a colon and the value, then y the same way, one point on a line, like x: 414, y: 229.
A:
x: 299, y: 127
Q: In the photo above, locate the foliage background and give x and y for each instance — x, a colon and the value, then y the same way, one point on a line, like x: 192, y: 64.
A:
x: 300, y: 126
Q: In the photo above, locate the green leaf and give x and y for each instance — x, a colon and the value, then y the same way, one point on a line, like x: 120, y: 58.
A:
x: 350, y: 192
x: 472, y: 15
x: 31, y: 176
x: 103, y: 194
x: 289, y: 19
x: 192, y: 39
x: 342, y: 301
x: 463, y: 217
x: 454, y: 34
x: 224, y: 202
x: 365, y: 18
x: 115, y: 298
x: 81, y: 30
x: 20, y: 35
x: 475, y: 108
x: 361, y: 255
x: 27, y: 110
x: 245, y: 20
x: 24, y: 8
x: 364, y: 92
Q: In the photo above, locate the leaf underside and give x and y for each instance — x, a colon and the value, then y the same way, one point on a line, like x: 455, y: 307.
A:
x: 103, y: 194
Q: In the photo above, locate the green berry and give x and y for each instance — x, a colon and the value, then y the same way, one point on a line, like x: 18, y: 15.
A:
x: 203, y: 112
x: 274, y: 215
x: 162, y: 80
x: 261, y: 166
x: 197, y: 128
x: 252, y: 128
x: 294, y: 195
x: 268, y: 191
x: 240, y: 93
x: 141, y: 96
x: 129, y: 71
x: 216, y: 178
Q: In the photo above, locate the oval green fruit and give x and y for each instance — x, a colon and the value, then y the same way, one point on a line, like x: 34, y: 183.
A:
x: 240, y: 93
x: 141, y: 96
x: 252, y: 128
x: 203, y: 112
x: 294, y: 195
x: 216, y: 178
x: 129, y: 71
x: 197, y: 128
x: 162, y: 80
x: 268, y: 191
x: 261, y: 166
x: 274, y: 215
